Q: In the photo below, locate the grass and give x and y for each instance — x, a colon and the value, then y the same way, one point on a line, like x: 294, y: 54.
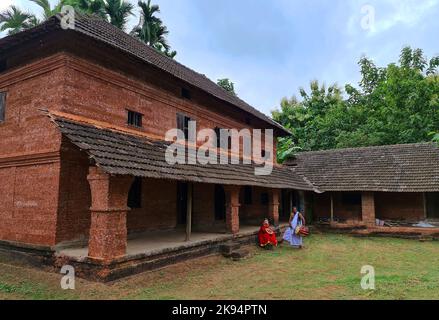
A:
x: 328, y: 268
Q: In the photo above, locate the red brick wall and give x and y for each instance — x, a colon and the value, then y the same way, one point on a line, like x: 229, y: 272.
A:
x: 28, y: 203
x: 203, y: 205
x: 159, y: 207
x: 34, y: 207
x: 255, y: 212
x: 99, y: 94
x: 74, y: 195
x: 29, y: 154
x: 399, y: 206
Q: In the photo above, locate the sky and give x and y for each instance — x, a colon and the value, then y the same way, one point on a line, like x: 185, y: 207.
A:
x: 270, y: 49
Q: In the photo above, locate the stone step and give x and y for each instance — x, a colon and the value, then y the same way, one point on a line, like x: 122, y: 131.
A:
x: 240, y: 254
x: 229, y: 247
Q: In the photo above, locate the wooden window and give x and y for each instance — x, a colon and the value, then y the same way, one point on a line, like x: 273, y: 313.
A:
x: 248, y: 195
x: 2, y: 106
x: 186, y: 94
x: 183, y: 124
x: 134, y: 119
x: 264, y: 199
x: 135, y: 194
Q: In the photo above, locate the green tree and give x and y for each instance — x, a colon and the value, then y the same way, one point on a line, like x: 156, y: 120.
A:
x: 48, y: 10
x: 151, y: 29
x: 13, y: 20
x: 227, y: 85
x: 118, y: 12
x: 96, y: 7
x: 392, y: 105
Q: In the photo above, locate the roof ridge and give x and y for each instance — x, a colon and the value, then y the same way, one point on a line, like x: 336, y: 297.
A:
x: 367, y: 148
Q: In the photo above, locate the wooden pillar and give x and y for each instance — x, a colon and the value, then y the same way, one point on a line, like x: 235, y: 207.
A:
x: 332, y: 207
x: 425, y: 206
x: 108, y: 230
x: 190, y: 192
x: 232, y: 209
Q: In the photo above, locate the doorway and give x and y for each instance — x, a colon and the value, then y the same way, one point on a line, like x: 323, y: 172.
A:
x: 432, y: 205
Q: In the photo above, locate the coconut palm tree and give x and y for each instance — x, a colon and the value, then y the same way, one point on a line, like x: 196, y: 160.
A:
x: 48, y: 11
x: 151, y: 30
x: 14, y: 20
x: 96, y: 7
x: 118, y: 12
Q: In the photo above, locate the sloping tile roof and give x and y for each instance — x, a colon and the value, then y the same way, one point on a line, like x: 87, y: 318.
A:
x: 104, y: 32
x: 123, y: 154
x: 398, y: 168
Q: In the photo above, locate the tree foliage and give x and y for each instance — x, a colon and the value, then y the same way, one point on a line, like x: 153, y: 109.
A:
x: 392, y: 105
x: 227, y: 85
x: 150, y: 29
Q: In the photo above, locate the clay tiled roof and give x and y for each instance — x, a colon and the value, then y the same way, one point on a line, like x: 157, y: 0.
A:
x: 104, y: 32
x: 398, y: 168
x: 119, y: 153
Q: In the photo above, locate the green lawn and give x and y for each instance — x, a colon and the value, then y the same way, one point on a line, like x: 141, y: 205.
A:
x: 328, y: 268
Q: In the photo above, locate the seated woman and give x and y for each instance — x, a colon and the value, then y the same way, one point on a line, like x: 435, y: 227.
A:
x: 267, y: 237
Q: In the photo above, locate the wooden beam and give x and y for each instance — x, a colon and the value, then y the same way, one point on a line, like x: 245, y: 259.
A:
x: 190, y: 190
x: 425, y: 206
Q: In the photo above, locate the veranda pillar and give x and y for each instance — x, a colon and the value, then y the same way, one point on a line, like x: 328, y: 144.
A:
x: 273, y: 206
x: 232, y: 209
x: 368, y: 208
x: 108, y: 229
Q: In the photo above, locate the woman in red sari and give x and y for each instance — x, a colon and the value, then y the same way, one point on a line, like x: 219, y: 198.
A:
x: 267, y: 237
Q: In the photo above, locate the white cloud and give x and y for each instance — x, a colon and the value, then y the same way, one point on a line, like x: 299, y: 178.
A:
x: 4, y: 4
x: 408, y: 13
x: 389, y: 14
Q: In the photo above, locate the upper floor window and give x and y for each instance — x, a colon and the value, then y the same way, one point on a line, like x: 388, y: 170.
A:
x: 2, y: 106
x: 183, y: 124
x: 134, y: 119
x: 185, y: 93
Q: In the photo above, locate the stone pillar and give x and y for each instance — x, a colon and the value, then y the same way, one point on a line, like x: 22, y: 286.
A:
x: 232, y: 208
x: 108, y: 229
x: 368, y: 208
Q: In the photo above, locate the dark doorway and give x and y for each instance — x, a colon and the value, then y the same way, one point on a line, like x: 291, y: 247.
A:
x: 286, y: 205
x: 220, y: 203
x: 182, y: 193
x: 432, y: 202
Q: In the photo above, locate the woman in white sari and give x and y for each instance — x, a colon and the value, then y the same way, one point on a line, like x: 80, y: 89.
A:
x: 290, y: 236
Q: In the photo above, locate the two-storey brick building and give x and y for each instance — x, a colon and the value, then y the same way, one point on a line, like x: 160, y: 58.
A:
x: 82, y: 158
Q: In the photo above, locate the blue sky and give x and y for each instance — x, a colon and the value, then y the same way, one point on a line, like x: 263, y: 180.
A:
x: 271, y: 48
